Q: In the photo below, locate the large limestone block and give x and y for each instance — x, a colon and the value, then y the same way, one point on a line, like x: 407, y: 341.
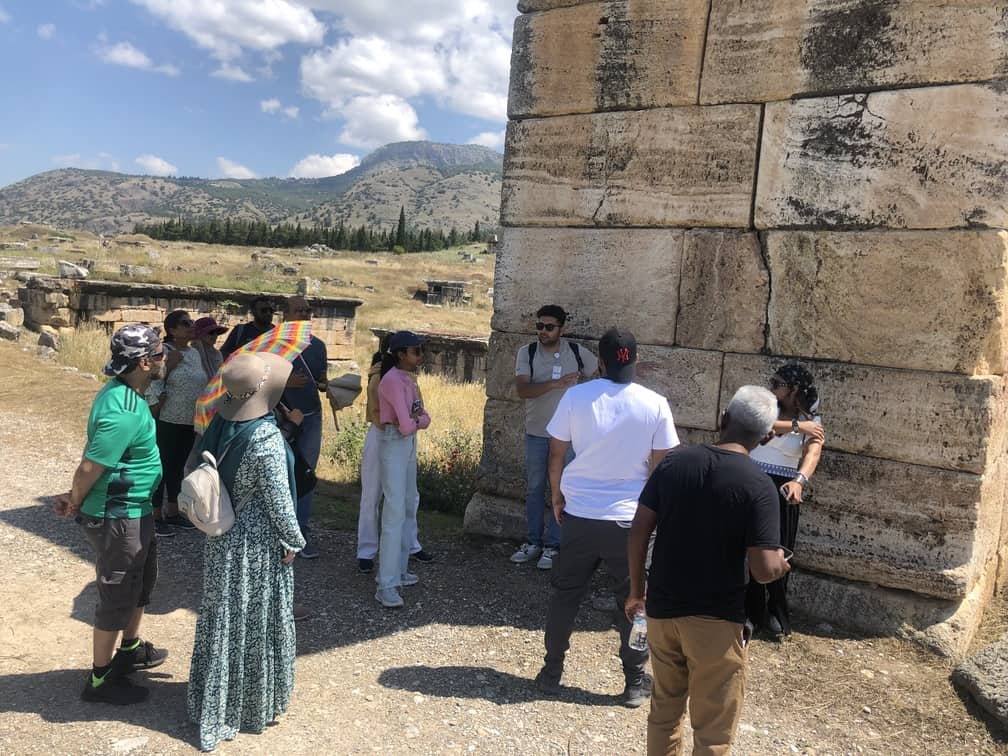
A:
x: 930, y: 300
x: 902, y: 526
x: 687, y: 166
x: 762, y: 50
x: 502, y: 466
x: 619, y: 55
x: 688, y: 378
x: 914, y: 158
x: 935, y: 419
x: 945, y: 627
x: 638, y: 271
x: 723, y: 292
x: 495, y: 516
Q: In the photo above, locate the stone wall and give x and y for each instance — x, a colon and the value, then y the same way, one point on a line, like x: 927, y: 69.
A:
x: 745, y: 183
x: 461, y: 358
x: 53, y: 303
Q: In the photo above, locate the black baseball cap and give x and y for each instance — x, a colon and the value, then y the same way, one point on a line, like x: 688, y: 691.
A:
x: 404, y: 340
x: 618, y: 351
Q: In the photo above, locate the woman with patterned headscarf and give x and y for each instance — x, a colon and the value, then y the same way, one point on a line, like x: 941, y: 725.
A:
x: 790, y: 459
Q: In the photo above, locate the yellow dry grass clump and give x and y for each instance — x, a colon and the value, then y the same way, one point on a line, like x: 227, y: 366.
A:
x: 86, y: 348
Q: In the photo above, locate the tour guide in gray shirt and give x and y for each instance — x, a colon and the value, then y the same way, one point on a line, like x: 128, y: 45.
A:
x: 541, y: 378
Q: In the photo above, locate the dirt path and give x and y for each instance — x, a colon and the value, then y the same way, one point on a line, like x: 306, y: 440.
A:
x: 449, y: 674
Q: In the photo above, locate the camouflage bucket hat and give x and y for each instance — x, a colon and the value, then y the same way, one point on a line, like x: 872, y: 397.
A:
x: 128, y: 345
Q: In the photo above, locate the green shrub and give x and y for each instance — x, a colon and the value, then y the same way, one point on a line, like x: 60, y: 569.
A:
x: 446, y: 470
x: 348, y: 445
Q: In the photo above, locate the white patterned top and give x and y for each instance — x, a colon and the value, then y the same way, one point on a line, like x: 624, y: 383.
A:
x: 184, y: 385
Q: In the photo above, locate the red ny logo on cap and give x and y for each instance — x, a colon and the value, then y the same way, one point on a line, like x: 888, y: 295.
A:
x: 623, y: 354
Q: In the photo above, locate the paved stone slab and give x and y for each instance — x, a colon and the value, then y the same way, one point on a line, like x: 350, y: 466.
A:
x: 763, y: 50
x: 901, y: 526
x: 688, y: 378
x: 687, y: 166
x: 931, y: 300
x: 903, y: 159
x: 723, y: 292
x: 934, y: 419
x: 637, y: 269
x: 618, y: 55
x: 985, y: 677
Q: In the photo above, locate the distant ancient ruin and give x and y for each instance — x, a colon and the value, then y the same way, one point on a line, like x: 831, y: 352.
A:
x: 742, y: 183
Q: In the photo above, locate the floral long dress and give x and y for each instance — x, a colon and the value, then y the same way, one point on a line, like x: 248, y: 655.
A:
x: 242, y: 669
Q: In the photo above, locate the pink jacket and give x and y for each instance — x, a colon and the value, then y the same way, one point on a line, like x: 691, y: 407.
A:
x: 397, y: 394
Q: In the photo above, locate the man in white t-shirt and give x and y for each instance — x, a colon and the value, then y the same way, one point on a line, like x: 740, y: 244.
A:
x: 619, y: 431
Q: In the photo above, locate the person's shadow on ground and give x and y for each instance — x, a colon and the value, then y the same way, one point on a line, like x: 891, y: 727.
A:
x: 482, y: 682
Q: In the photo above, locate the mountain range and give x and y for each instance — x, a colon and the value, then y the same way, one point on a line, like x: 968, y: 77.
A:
x: 440, y: 186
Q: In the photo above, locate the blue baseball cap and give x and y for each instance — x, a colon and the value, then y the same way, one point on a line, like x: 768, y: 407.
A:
x: 404, y: 340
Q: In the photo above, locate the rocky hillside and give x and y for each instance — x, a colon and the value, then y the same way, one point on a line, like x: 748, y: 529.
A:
x: 441, y: 185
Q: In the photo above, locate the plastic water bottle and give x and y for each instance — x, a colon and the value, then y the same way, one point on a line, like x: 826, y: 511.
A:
x: 638, y: 632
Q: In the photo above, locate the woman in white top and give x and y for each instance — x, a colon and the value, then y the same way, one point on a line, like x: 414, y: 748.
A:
x: 790, y: 459
x: 173, y: 402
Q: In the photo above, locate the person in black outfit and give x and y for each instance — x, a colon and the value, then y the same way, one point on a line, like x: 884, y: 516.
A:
x: 262, y: 310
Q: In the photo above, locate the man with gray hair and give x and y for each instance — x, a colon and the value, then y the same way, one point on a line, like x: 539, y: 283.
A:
x: 714, y: 509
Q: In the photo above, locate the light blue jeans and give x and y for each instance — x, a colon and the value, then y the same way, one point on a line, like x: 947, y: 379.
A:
x: 309, y: 445
x: 398, y: 472
x: 537, y: 512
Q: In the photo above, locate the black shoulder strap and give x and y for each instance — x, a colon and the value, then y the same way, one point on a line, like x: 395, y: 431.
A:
x: 577, y: 355
x: 532, y: 351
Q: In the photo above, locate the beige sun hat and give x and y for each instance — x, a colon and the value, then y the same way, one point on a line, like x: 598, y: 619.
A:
x: 344, y: 390
x: 254, y: 383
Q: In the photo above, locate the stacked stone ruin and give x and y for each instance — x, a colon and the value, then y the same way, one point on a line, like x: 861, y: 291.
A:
x: 747, y: 182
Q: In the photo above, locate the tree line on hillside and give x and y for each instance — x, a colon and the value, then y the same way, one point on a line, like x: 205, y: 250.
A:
x: 363, y: 238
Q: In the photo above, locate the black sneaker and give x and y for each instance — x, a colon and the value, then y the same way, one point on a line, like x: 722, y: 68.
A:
x: 180, y: 522
x: 637, y: 691
x: 365, y: 566
x: 422, y: 556
x: 144, y: 656
x: 547, y: 681
x: 114, y: 690
x: 162, y: 529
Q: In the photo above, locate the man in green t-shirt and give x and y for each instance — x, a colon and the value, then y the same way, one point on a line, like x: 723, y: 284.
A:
x: 111, y: 497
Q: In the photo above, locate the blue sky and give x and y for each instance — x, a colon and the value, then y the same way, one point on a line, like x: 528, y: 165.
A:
x: 242, y: 88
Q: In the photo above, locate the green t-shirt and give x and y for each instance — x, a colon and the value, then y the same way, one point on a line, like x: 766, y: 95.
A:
x: 122, y: 437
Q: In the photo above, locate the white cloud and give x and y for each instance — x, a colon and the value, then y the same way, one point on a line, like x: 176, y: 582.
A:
x: 103, y: 161
x: 4, y: 16
x: 492, y: 139
x: 291, y: 111
x: 271, y: 105
x: 233, y: 170
x: 156, y: 166
x: 46, y: 31
x: 320, y: 166
x: 227, y: 27
x: 372, y: 121
x: 232, y: 72
x: 125, y: 54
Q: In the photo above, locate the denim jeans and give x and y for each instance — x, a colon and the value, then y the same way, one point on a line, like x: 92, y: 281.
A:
x: 537, y: 513
x: 398, y: 473
x: 309, y: 445
x: 370, y: 499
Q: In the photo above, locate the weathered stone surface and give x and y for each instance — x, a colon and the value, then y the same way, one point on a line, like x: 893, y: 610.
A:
x: 48, y: 338
x: 985, y: 677
x: 638, y: 269
x: 495, y: 516
x: 618, y: 55
x: 931, y: 300
x: 9, y: 332
x: 946, y: 627
x: 530, y: 6
x: 935, y: 419
x: 12, y: 315
x: 902, y: 526
x: 70, y: 270
x: 763, y: 50
x: 723, y: 292
x: 687, y: 166
x: 904, y: 159
x: 688, y: 378
x: 502, y: 466
x: 19, y: 263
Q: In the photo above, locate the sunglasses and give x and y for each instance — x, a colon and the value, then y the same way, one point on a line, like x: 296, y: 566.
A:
x: 157, y: 357
x: 185, y: 324
x: 548, y: 327
x: 776, y: 383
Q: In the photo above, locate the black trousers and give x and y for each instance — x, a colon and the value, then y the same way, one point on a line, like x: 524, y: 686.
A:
x: 764, y: 601
x: 174, y: 443
x: 584, y: 544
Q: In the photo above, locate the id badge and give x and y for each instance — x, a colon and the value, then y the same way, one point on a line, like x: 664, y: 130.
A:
x: 557, y: 371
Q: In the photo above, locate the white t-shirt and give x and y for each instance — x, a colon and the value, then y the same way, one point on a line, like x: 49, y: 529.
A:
x: 781, y: 455
x: 613, y: 428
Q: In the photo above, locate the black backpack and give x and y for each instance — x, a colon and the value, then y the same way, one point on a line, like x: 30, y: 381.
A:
x: 574, y: 348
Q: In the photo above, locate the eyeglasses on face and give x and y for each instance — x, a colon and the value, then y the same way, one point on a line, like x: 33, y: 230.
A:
x: 776, y: 383
x: 184, y: 323
x: 157, y: 357
x: 548, y: 327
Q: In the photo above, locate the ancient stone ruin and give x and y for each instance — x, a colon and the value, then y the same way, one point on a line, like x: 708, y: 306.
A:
x: 744, y: 183
x: 460, y: 358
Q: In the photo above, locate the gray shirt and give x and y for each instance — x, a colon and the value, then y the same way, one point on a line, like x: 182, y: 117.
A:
x: 549, y: 364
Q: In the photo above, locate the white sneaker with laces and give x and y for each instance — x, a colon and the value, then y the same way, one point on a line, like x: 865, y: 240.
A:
x: 546, y: 560
x: 389, y: 598
x: 408, y: 578
x: 526, y: 553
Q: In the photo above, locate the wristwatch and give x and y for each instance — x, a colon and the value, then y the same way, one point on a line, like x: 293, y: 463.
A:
x: 794, y: 425
x: 801, y: 479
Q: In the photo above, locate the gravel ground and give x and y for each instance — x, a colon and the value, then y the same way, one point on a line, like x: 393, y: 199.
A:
x: 450, y: 673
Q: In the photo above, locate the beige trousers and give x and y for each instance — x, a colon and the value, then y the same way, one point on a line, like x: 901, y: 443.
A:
x: 701, y: 659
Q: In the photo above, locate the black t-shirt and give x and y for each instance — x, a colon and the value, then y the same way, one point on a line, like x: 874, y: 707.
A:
x: 711, y: 504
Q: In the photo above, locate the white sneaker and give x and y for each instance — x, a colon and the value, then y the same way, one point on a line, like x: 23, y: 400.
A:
x: 526, y: 553
x: 389, y: 598
x: 408, y: 578
x: 546, y: 560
